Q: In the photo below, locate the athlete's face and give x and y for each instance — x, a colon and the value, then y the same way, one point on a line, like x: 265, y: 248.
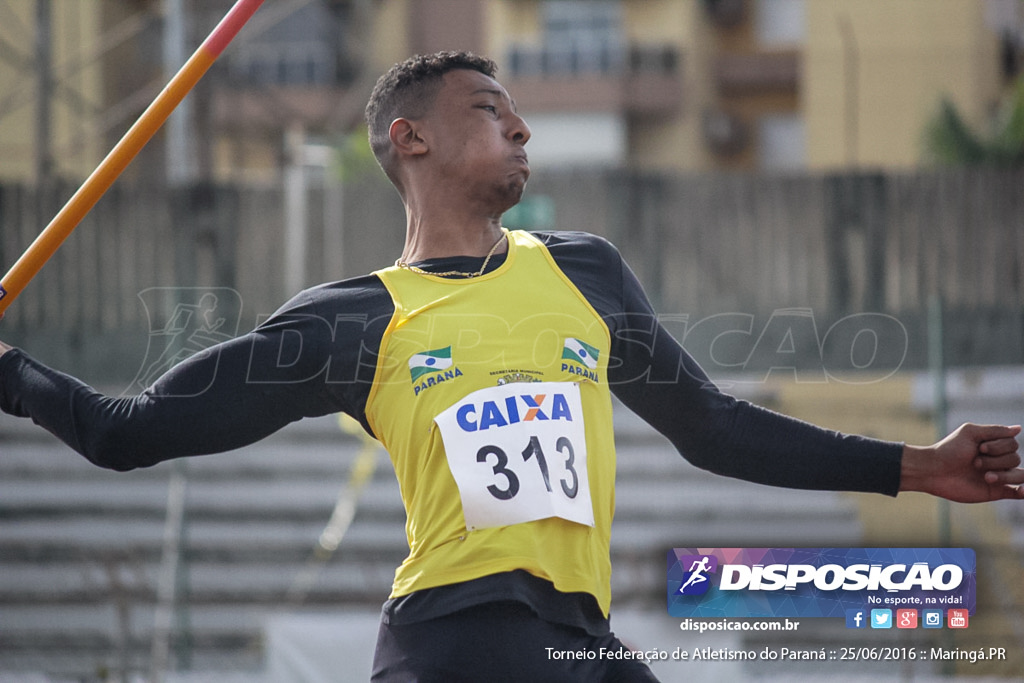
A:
x: 478, y: 139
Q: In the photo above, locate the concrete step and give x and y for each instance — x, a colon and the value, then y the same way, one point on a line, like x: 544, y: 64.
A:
x: 297, y: 498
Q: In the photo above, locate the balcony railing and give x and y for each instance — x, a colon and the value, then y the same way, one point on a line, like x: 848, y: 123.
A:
x: 602, y: 58
x: 758, y: 72
x: 607, y: 77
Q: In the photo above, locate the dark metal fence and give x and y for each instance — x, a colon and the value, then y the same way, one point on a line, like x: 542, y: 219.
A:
x: 702, y: 244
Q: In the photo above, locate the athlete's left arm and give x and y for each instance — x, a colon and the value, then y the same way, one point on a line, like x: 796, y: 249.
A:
x: 654, y: 376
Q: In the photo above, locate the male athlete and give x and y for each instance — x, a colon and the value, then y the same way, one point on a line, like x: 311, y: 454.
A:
x: 484, y: 361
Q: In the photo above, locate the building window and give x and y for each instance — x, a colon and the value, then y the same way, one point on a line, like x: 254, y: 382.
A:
x: 304, y: 48
x: 781, y: 142
x: 580, y: 36
x: 584, y: 139
x: 285, y: 64
x: 583, y: 35
x: 780, y: 23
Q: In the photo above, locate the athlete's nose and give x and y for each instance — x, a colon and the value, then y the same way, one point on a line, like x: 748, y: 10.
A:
x: 519, y: 132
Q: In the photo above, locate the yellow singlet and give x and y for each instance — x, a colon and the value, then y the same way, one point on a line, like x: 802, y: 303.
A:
x: 491, y: 397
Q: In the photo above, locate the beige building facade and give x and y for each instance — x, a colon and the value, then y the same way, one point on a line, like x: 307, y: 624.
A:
x: 76, y: 110
x: 652, y: 85
x: 874, y: 73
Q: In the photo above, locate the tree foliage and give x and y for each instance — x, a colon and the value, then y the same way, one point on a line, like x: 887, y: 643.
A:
x: 950, y: 140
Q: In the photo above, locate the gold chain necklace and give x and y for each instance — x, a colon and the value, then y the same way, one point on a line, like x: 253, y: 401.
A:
x: 415, y: 269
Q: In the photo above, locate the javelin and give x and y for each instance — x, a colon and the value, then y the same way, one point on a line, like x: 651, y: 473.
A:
x: 123, y: 152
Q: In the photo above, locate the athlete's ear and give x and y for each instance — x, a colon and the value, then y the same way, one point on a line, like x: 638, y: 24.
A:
x: 406, y: 138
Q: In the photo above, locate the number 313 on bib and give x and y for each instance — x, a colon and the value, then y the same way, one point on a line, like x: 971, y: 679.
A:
x: 518, y: 452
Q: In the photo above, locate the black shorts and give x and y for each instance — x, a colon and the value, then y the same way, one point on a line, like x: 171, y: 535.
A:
x: 498, y: 642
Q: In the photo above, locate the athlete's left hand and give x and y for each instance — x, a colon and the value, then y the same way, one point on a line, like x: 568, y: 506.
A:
x: 974, y: 464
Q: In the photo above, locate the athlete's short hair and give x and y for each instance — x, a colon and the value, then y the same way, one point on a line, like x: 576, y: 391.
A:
x: 407, y: 90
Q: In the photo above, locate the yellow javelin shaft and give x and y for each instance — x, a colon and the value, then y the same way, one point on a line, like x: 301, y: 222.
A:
x: 68, y: 218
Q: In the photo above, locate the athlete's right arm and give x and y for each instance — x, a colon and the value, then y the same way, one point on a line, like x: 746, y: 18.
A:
x: 226, y: 397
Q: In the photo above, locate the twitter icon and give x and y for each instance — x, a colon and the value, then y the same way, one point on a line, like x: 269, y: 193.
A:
x: 881, y: 618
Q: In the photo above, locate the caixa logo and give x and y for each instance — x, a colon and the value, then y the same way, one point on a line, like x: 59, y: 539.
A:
x: 478, y: 415
x: 784, y: 582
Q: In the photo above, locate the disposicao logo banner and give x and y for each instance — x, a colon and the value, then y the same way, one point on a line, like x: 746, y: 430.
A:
x: 817, y: 582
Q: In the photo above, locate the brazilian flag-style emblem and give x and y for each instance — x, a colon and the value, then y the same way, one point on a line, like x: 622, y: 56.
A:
x: 430, y: 361
x: 581, y: 352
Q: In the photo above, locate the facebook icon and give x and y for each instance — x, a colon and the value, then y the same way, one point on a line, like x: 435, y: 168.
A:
x: 856, y: 618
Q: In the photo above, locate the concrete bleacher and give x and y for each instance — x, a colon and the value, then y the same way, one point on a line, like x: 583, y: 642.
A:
x: 80, y: 547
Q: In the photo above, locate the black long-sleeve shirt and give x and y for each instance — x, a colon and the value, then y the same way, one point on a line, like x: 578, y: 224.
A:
x: 317, y: 355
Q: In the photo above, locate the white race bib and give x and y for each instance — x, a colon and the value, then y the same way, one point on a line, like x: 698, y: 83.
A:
x: 518, y: 452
